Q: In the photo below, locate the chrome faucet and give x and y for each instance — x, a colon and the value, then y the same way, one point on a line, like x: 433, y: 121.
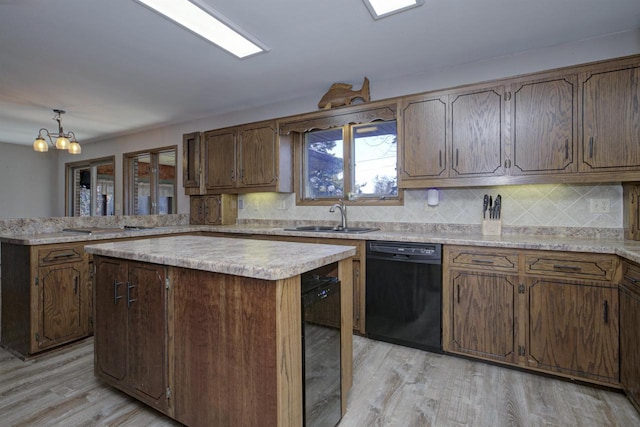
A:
x: 343, y: 212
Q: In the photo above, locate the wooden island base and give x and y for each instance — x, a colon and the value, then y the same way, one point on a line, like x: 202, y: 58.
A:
x: 208, y: 348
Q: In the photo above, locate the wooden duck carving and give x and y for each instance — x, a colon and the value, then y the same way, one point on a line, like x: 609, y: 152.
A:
x: 342, y: 94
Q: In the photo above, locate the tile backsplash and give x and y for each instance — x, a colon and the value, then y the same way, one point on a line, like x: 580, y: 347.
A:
x: 552, y: 205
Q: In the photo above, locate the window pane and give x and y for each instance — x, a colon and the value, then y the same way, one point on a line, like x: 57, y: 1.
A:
x: 105, y: 188
x: 82, y: 192
x: 141, y: 177
x: 324, y: 164
x: 166, y: 182
x: 375, y: 159
x: 91, y: 188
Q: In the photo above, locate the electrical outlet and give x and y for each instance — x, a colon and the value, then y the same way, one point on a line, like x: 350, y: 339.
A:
x: 281, y: 205
x: 240, y: 203
x: 599, y: 205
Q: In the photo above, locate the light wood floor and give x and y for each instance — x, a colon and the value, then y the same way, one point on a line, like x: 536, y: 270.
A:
x: 393, y: 386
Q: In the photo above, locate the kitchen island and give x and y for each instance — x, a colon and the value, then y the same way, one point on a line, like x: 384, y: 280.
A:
x: 208, y: 330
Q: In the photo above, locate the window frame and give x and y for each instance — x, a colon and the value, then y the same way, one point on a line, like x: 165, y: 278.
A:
x: 348, y: 147
x: 128, y: 179
x: 294, y: 128
x: 91, y: 164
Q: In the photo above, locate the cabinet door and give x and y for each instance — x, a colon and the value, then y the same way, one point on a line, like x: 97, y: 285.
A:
x: 573, y: 328
x: 213, y: 210
x: 191, y: 160
x: 630, y: 343
x: 477, y: 133
x: 60, y: 313
x: 145, y: 296
x: 544, y: 127
x: 196, y: 210
x: 424, y: 147
x: 110, y: 326
x: 484, y: 317
x: 611, y: 120
x: 258, y: 155
x: 220, y: 159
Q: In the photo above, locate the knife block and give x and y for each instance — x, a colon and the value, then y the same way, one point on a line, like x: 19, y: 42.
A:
x: 491, y: 227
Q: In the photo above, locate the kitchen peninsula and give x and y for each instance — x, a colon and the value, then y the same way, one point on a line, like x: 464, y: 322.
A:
x: 208, y: 330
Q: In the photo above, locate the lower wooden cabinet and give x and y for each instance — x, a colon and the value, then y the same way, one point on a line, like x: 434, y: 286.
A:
x: 573, y: 328
x: 131, y: 328
x: 218, y: 209
x: 630, y: 331
x: 45, y: 296
x: 61, y: 315
x: 554, y: 312
x: 484, y: 314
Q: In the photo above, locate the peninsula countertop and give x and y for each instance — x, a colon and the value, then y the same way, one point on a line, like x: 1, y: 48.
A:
x: 260, y: 259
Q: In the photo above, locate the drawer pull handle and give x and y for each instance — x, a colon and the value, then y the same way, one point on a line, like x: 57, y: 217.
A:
x: 67, y: 255
x: 605, y: 309
x: 567, y: 268
x: 458, y: 294
x: 482, y: 261
x: 631, y: 279
x: 75, y: 285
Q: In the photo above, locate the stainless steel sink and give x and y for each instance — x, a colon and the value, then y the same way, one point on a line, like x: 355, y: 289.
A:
x: 329, y: 229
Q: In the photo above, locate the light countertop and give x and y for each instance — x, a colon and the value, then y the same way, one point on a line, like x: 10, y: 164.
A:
x: 626, y: 248
x: 260, y: 259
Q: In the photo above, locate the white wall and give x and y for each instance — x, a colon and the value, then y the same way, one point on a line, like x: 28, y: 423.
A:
x: 595, y: 49
x: 28, y: 182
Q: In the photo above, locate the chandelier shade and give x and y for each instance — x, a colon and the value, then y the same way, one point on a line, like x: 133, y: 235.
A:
x: 63, y: 141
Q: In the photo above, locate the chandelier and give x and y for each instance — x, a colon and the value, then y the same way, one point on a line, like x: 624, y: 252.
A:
x: 64, y: 141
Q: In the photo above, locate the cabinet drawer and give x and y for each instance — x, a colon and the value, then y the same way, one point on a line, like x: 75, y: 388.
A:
x: 482, y: 259
x: 60, y: 254
x: 631, y: 276
x: 588, y: 266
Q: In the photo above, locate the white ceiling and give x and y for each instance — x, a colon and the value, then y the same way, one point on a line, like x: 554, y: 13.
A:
x: 116, y: 67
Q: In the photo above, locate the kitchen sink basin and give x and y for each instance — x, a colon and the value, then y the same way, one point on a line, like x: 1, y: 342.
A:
x: 329, y: 229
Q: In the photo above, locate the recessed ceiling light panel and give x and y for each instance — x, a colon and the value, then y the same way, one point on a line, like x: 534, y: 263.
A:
x: 383, y: 8
x: 207, y: 23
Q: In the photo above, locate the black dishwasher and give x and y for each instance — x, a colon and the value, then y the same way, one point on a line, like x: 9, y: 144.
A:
x: 404, y: 294
x: 321, y: 350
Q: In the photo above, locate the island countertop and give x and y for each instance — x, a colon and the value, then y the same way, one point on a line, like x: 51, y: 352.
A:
x: 260, y: 259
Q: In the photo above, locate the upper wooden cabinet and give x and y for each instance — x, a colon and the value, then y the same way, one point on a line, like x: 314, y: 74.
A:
x: 544, y: 126
x: 220, y: 159
x: 238, y: 159
x: 191, y: 158
x: 610, y: 137
x: 576, y: 124
x: 257, y: 155
x: 554, y: 126
x: 458, y: 135
x: 423, y: 130
x: 477, y: 132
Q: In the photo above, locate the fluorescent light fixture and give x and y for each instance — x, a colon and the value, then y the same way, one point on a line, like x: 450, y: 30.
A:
x: 382, y: 8
x: 198, y: 17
